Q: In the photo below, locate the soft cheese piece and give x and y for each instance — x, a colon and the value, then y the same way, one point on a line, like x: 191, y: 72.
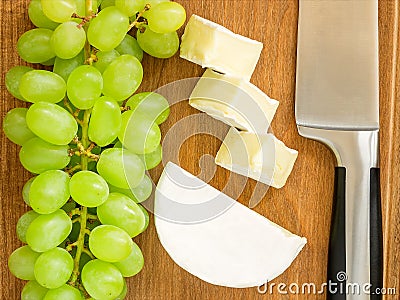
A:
x: 213, y: 46
x: 233, y: 101
x: 236, y: 247
x: 259, y: 156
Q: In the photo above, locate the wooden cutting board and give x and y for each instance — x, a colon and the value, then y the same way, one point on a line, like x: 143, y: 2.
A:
x: 303, y: 206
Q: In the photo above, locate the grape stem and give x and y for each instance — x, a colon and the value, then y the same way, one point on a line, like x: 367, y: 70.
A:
x: 72, y: 170
x: 138, y: 17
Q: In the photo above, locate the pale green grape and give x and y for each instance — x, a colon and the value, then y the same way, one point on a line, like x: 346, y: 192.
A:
x: 155, y: 2
x: 49, y: 62
x: 166, y: 17
x: 59, y: 11
x: 88, y: 189
x: 38, y: 18
x: 147, y: 218
x: 133, y: 264
x: 22, y: 261
x: 33, y: 291
x: 123, y: 293
x: 25, y: 190
x: 53, y: 268
x: 34, y: 45
x: 64, y: 67
x: 129, y: 45
x: 108, y: 29
x: 105, y: 121
x: 120, y: 168
x: 48, y: 231
x: 68, y: 40
x: 49, y: 191
x: 119, y: 210
x: 130, y: 7
x: 15, y: 128
x: 13, y: 79
x: 152, y: 159
x: 139, y: 133
x: 23, y: 223
x: 102, y: 280
x: 38, y: 156
x: 152, y: 104
x: 64, y: 292
x: 143, y: 191
x: 42, y: 86
x: 107, y: 3
x: 122, y: 77
x: 161, y: 45
x: 51, y: 123
x: 104, y: 58
x: 84, y: 86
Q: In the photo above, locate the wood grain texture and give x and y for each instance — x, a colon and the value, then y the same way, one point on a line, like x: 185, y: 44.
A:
x: 303, y: 206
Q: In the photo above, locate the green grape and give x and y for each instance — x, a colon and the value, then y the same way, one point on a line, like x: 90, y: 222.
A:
x: 143, y: 191
x: 68, y: 40
x: 34, y: 45
x: 59, y: 11
x: 102, y: 280
x: 53, y: 268
x: 152, y: 159
x: 26, y: 189
x: 23, y: 223
x: 104, y: 58
x: 155, y: 2
x: 152, y: 104
x: 160, y: 45
x: 15, y: 128
x: 107, y: 3
x: 122, y: 77
x: 49, y: 62
x: 126, y: 192
x: 38, y: 18
x: 133, y: 264
x: 13, y: 79
x: 22, y: 261
x: 105, y: 121
x: 49, y: 191
x: 108, y: 29
x: 129, y: 45
x: 110, y: 243
x: 33, y: 291
x: 147, y: 218
x: 51, y: 123
x: 38, y: 156
x: 84, y: 86
x: 120, y: 168
x: 130, y: 7
x: 64, y: 292
x: 139, y: 133
x: 166, y: 17
x: 48, y: 231
x: 88, y: 189
x: 119, y: 210
x: 123, y: 293
x: 64, y: 67
x: 42, y: 86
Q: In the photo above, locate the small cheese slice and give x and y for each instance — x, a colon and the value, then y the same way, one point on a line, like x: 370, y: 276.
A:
x: 259, y: 156
x: 233, y: 101
x: 229, y: 244
x: 214, y: 46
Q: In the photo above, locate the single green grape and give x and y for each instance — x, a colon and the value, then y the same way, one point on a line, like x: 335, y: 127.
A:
x: 130, y: 7
x: 48, y: 231
x: 49, y: 191
x: 38, y: 156
x: 133, y: 264
x: 160, y: 45
x: 66, y: 292
x: 105, y: 121
x: 64, y: 67
x: 102, y: 280
x: 33, y: 291
x: 23, y: 223
x: 88, y: 189
x: 53, y: 268
x: 68, y: 40
x: 26, y: 189
x: 42, y: 86
x: 152, y: 159
x: 147, y: 218
x: 152, y: 104
x: 59, y: 11
x: 22, y: 261
x: 106, y: 3
x: 51, y: 123
x: 37, y: 16
x: 84, y: 86
x: 15, y: 127
x: 34, y: 45
x: 119, y: 210
x: 166, y: 17
x: 13, y: 79
x: 129, y: 45
x: 104, y: 58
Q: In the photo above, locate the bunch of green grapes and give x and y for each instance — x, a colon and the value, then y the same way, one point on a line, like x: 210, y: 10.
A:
x: 89, y: 140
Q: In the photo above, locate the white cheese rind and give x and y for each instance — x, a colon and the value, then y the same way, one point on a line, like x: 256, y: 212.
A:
x: 214, y: 46
x: 259, y: 156
x: 238, y: 248
x: 233, y: 101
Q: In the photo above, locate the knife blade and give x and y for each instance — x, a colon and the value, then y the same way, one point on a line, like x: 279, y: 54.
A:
x: 337, y: 103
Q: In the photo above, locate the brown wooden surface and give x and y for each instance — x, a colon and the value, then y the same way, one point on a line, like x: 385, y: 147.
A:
x: 303, y: 206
